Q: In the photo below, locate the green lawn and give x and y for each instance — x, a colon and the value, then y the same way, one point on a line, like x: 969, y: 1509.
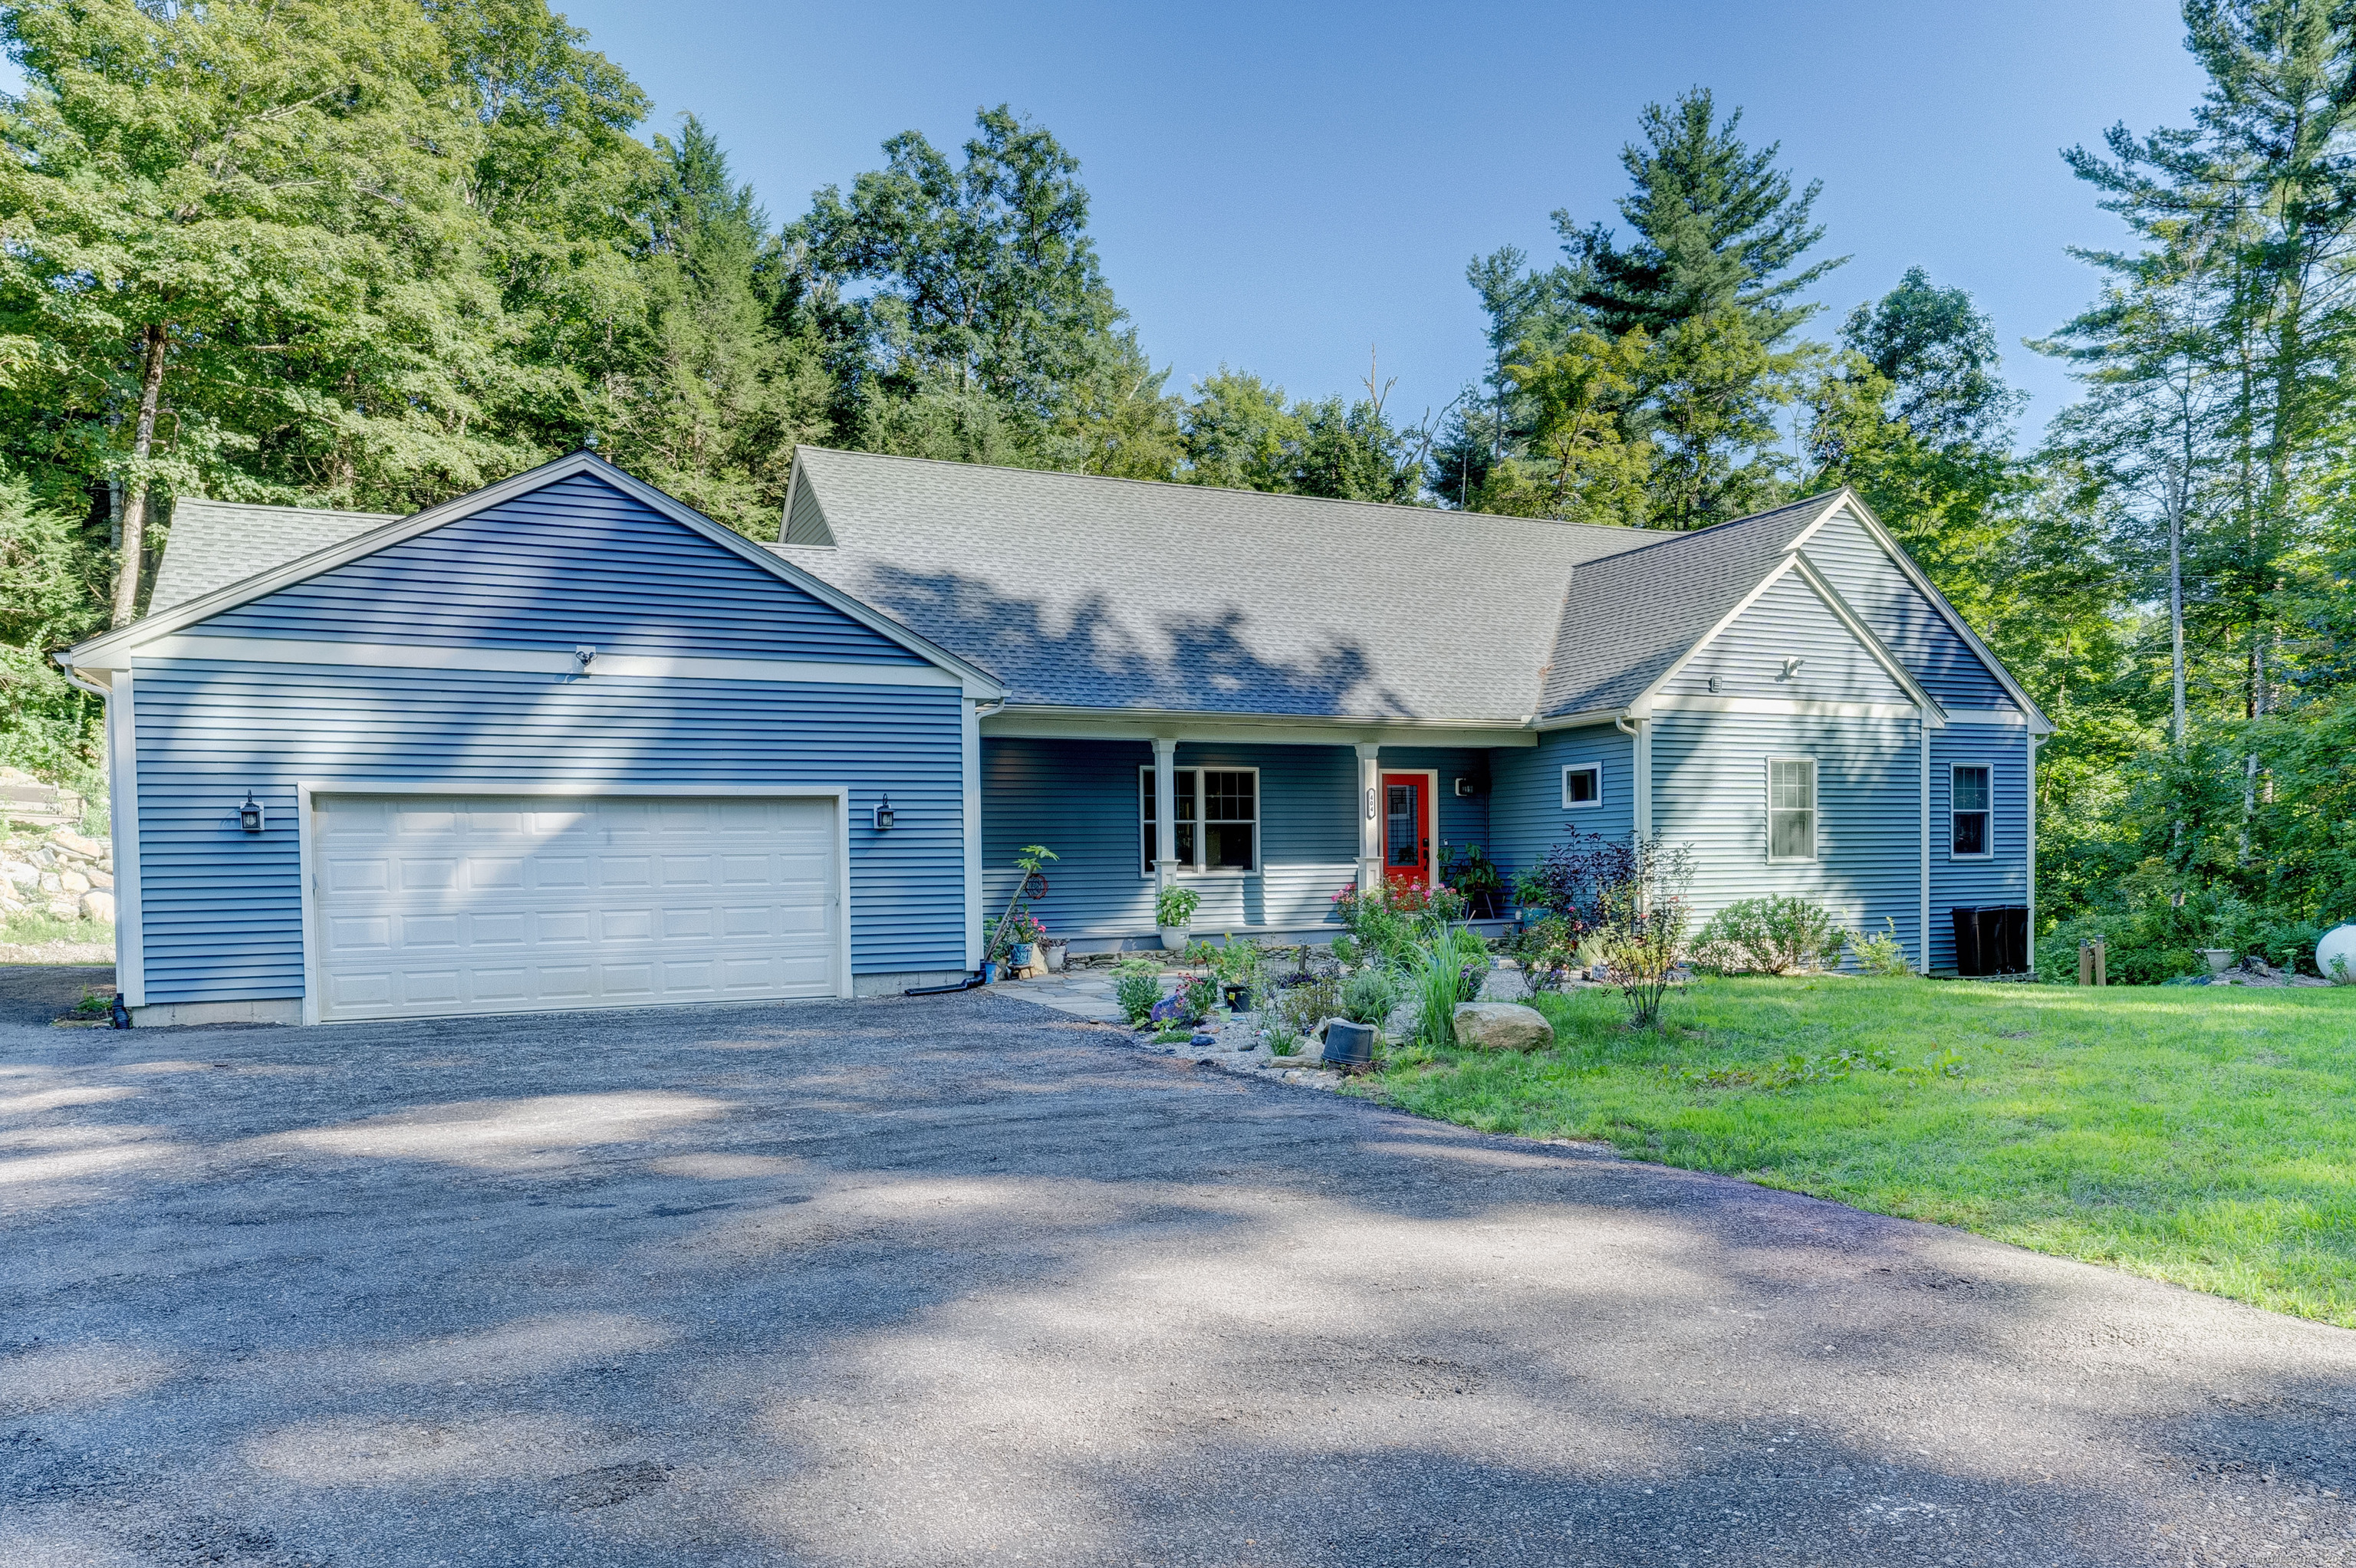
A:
x: 2201, y: 1135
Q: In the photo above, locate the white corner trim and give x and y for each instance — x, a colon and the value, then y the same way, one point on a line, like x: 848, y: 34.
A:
x: 1644, y: 804
x: 969, y: 745
x: 537, y: 661
x: 306, y: 792
x: 123, y: 833
x: 1784, y: 707
x: 1923, y: 968
x: 2031, y: 900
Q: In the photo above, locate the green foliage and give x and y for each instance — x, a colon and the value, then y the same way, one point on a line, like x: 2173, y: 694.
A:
x: 1174, y: 906
x: 1135, y: 990
x: 1643, y: 925
x: 1881, y: 953
x: 1300, y: 1010
x: 1368, y: 995
x: 1545, y: 949
x: 1774, y: 935
x: 1242, y: 433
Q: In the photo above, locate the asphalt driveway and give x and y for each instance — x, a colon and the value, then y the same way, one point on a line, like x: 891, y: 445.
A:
x: 955, y: 1281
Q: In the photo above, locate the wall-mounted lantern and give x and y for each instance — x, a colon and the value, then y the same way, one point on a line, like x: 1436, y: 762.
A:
x: 884, y: 814
x: 248, y: 815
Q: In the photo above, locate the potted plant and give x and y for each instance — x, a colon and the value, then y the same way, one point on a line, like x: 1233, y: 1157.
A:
x: 1024, y: 935
x: 1173, y: 911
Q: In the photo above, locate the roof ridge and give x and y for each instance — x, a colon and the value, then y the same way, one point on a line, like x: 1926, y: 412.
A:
x: 280, y: 506
x: 1184, y: 485
x: 1676, y: 535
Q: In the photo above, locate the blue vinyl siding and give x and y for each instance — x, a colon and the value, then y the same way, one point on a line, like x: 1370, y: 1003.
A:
x: 574, y: 562
x: 1081, y: 799
x: 1526, y: 810
x: 1788, y: 621
x: 222, y: 911
x: 2003, y: 878
x: 1909, y: 625
x: 1709, y: 791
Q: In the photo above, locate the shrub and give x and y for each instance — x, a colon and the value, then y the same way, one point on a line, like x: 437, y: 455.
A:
x: 1572, y: 879
x: 1368, y: 995
x: 2130, y: 956
x: 2289, y: 945
x: 1202, y: 994
x: 1545, y: 950
x: 1882, y: 955
x: 1346, y: 951
x: 1772, y: 935
x: 1136, y: 991
x: 1645, y: 919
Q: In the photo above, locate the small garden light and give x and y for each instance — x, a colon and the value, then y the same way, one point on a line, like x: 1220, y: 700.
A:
x: 884, y: 814
x: 248, y: 815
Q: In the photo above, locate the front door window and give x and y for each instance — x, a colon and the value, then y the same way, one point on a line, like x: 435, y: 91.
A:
x: 1407, y: 831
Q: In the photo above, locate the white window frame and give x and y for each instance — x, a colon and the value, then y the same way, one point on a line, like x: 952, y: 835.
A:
x: 1815, y: 814
x: 1195, y: 867
x: 1987, y: 834
x: 1570, y: 768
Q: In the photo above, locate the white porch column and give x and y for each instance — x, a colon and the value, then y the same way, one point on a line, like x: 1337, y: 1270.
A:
x: 1370, y: 821
x: 1165, y: 811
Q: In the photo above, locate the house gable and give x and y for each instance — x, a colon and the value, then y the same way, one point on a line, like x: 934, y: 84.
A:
x: 1790, y: 620
x: 1844, y: 549
x: 576, y: 560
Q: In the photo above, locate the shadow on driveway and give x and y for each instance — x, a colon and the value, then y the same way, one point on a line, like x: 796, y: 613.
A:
x: 954, y: 1280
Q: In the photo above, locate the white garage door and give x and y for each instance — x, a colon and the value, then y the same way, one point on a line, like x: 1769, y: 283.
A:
x: 490, y: 904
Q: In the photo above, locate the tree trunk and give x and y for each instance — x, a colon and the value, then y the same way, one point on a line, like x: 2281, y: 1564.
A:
x: 2176, y: 617
x: 135, y: 499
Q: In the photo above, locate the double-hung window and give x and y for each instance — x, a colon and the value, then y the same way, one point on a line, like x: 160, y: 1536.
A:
x: 1791, y: 808
x: 1970, y: 800
x: 1217, y: 819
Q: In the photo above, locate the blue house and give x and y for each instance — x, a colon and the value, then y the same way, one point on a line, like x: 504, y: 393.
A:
x: 566, y: 743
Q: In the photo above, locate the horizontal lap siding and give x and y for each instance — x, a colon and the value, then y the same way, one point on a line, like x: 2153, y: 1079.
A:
x: 1525, y: 811
x: 2003, y: 878
x: 1464, y: 819
x: 1909, y: 625
x: 574, y: 562
x: 222, y: 911
x: 1081, y: 799
x: 1709, y: 791
x: 1788, y: 621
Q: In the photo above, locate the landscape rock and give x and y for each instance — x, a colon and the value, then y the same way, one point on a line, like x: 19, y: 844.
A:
x: 62, y: 908
x: 74, y: 843
x: 73, y: 882
x: 98, y: 904
x: 52, y: 883
x: 1502, y: 1026
x: 98, y: 879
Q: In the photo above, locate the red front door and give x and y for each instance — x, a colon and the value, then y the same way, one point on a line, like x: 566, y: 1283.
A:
x: 1407, y: 831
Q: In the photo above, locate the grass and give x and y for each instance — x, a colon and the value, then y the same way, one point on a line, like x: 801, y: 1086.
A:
x: 2201, y: 1135
x: 32, y: 926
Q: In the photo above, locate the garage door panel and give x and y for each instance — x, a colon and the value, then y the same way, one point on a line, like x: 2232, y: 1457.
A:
x: 485, y: 904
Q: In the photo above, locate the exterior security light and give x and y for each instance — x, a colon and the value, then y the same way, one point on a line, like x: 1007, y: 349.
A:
x: 584, y: 656
x: 884, y: 814
x: 248, y: 815
x: 1792, y: 668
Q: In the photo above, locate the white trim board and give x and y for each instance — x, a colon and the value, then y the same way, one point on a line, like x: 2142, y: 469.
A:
x: 532, y: 661
x: 1786, y: 707
x: 306, y: 790
x: 1017, y: 723
x: 100, y: 650
x: 123, y: 830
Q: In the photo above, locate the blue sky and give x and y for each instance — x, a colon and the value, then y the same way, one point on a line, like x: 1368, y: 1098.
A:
x: 1279, y: 187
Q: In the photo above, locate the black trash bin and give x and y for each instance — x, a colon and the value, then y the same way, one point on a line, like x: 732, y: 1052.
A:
x: 1991, y: 939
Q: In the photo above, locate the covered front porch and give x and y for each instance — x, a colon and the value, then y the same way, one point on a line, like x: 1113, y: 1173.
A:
x: 1266, y: 830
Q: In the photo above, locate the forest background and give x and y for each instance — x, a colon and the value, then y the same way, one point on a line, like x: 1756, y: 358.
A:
x: 375, y: 254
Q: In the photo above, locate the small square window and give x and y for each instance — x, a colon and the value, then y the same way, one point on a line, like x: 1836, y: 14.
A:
x: 1583, y: 786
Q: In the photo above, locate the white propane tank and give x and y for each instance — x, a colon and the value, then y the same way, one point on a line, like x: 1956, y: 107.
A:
x: 2335, y: 955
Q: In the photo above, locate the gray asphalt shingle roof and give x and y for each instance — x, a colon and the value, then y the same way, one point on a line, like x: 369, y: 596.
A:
x: 212, y: 544
x: 1111, y: 594
x: 1627, y: 617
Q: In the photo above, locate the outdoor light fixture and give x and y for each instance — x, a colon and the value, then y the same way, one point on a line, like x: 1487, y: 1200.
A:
x: 584, y: 656
x: 884, y: 814
x: 248, y: 815
x: 1792, y: 668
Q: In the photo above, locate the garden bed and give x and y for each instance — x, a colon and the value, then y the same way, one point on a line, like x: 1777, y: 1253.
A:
x: 2205, y: 1136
